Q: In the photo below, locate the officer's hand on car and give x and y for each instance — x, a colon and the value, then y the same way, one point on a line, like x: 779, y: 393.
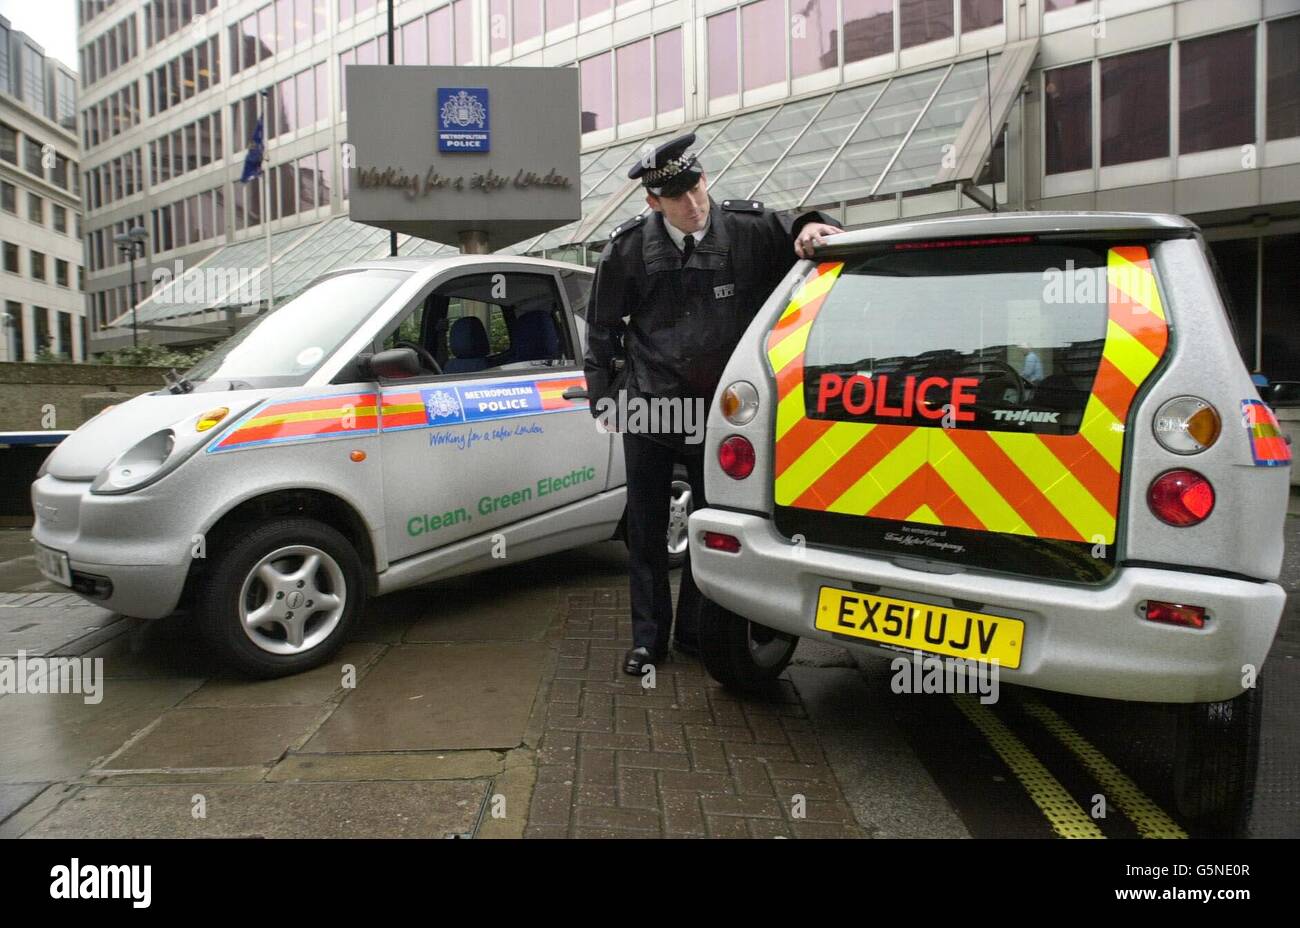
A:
x: 812, y: 235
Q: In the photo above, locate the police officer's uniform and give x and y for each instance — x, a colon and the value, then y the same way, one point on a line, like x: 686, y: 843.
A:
x: 662, y: 323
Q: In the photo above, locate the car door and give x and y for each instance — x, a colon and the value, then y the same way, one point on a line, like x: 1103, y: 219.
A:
x: 491, y: 439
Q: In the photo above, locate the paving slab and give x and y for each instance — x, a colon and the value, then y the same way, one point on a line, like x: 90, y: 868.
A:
x: 312, y: 688
x: 52, y: 738
x: 486, y: 612
x: 453, y: 765
x: 889, y: 791
x: 424, y: 809
x: 46, y: 623
x: 422, y: 697
x: 13, y: 796
x: 217, y: 737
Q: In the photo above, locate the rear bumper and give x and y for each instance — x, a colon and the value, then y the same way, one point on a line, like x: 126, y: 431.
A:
x: 1091, y: 641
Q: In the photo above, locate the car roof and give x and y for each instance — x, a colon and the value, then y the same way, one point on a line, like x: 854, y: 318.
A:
x: 443, y: 262
x: 1016, y: 223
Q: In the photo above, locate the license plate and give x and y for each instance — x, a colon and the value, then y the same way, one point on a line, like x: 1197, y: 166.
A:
x: 53, y: 564
x: 925, y: 627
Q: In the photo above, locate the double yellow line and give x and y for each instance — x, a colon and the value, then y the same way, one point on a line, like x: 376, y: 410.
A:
x: 1067, y: 818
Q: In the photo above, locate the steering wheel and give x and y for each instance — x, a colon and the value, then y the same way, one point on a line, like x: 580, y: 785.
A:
x: 1022, y: 388
x: 425, y: 357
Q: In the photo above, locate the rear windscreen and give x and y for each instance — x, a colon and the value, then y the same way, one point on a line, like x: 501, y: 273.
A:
x: 994, y: 338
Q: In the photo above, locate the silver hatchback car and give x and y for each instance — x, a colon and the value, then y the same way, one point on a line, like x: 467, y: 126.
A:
x: 400, y: 421
x: 1023, y: 439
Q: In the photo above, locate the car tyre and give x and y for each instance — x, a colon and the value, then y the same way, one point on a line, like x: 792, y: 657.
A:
x: 282, y: 598
x: 740, y: 654
x: 1216, y: 755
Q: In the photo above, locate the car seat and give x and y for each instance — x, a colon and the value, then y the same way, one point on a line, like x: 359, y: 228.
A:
x: 535, y: 337
x: 469, y: 344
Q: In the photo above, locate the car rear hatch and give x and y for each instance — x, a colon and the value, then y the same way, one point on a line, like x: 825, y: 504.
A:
x: 964, y: 401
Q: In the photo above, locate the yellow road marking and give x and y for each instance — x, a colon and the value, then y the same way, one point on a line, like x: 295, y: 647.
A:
x: 1150, y: 819
x: 1067, y: 817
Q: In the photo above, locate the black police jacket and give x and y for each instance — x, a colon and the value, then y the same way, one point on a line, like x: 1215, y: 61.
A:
x: 672, y: 328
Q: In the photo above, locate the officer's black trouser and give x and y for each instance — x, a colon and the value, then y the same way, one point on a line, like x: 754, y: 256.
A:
x: 649, y: 482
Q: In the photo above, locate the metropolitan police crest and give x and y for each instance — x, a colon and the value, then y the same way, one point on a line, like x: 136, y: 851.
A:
x: 441, y: 404
x: 463, y: 110
x: 464, y: 120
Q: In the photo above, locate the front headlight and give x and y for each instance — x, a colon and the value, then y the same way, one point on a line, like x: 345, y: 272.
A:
x: 136, y: 465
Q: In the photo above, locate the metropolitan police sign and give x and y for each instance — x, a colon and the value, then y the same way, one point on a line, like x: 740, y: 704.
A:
x: 463, y: 119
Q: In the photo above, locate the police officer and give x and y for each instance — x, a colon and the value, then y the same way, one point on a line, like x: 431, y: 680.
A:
x: 675, y: 288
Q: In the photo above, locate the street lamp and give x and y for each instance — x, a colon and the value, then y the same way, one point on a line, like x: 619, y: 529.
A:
x: 128, y: 243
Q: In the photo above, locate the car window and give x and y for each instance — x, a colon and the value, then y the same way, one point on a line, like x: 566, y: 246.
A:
x: 1008, y: 336
x: 503, y: 321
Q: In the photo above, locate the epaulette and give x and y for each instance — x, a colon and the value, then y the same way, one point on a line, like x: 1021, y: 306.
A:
x: 627, y: 224
x: 744, y: 206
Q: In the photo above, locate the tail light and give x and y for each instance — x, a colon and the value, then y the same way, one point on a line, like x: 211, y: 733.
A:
x: 739, y: 403
x: 1181, y: 497
x: 1175, y: 614
x: 1186, y: 425
x: 717, y: 541
x: 736, y: 457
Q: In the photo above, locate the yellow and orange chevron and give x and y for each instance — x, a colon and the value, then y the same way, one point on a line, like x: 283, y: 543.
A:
x: 1045, y: 486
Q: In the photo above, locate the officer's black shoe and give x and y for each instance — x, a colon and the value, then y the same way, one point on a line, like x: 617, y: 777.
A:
x: 637, y: 658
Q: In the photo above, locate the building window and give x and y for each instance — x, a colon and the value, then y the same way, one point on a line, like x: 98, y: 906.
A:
x: 9, y: 198
x: 980, y: 14
x: 723, y: 79
x: 8, y: 144
x: 463, y: 16
x: 1068, y: 92
x: 38, y: 265
x: 32, y: 151
x: 1062, y: 4
x: 324, y: 176
x: 922, y: 21
x: 668, y: 71
x: 527, y: 18
x: 1135, y: 106
x: 61, y: 272
x: 813, y: 41
x: 498, y: 24
x: 11, y: 258
x: 558, y: 13
x: 1283, y: 87
x: 35, y: 209
x: 868, y: 29
x: 764, y: 36
x: 60, y: 219
x: 597, y: 97
x: 592, y: 7
x: 65, y: 334
x: 633, y: 65
x: 41, y: 318
x: 1216, y: 91
x: 14, y: 323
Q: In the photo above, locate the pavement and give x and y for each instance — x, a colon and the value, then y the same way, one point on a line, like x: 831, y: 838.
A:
x: 493, y: 706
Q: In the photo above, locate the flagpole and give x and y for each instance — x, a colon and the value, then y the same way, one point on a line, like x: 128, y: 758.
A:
x: 266, y: 204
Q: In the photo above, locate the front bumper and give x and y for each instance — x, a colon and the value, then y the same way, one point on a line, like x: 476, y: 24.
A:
x: 144, y: 558
x: 1091, y: 641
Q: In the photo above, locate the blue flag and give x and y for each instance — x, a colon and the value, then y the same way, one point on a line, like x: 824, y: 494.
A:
x: 253, y: 160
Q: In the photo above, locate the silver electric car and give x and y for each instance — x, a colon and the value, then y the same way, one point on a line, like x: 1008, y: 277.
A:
x: 1025, y: 439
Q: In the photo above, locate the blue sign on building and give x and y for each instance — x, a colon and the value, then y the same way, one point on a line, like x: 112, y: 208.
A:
x: 463, y: 119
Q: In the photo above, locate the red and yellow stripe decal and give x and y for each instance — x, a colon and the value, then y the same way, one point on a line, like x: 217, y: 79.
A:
x: 1046, y: 486
x: 552, y: 392
x: 403, y: 411
x: 1268, y: 445
x: 343, y: 415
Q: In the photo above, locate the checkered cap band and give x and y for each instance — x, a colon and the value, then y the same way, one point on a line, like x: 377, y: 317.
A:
x: 656, y: 176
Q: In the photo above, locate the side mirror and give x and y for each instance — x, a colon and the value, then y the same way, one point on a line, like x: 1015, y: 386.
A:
x: 395, y: 363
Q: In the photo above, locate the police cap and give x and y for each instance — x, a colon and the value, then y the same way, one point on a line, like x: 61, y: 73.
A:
x: 670, y: 170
